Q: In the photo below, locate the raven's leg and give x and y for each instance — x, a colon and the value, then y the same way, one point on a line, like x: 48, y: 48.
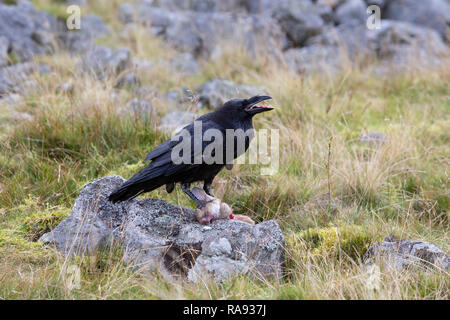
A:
x: 186, y: 189
x: 207, y: 186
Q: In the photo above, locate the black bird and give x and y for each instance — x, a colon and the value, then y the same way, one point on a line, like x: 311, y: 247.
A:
x: 234, y: 114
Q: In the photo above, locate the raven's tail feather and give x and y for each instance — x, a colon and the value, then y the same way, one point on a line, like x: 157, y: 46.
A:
x: 144, y: 181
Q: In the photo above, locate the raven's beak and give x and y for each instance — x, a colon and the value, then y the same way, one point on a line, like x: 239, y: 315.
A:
x: 252, y: 107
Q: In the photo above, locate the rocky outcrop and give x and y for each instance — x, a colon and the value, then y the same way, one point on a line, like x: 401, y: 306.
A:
x: 79, y: 41
x: 434, y: 14
x: 104, y: 62
x: 156, y: 235
x: 406, y: 253
x: 4, y: 46
x: 29, y: 31
x: 14, y: 78
x: 198, y: 32
x: 176, y: 119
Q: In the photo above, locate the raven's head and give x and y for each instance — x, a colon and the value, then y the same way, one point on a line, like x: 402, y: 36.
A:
x: 247, y: 107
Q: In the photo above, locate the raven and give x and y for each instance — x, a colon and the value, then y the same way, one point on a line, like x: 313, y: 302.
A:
x: 234, y: 114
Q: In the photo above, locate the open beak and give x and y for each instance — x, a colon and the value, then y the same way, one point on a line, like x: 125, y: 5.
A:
x: 253, y: 107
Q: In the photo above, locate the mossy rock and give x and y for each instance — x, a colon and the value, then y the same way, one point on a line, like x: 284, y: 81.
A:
x: 345, y: 240
x: 39, y: 223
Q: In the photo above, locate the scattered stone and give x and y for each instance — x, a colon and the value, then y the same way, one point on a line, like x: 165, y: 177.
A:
x: 128, y: 80
x: 156, y: 235
x: 313, y: 59
x: 352, y: 12
x: 406, y: 253
x: 142, y: 64
x: 184, y: 63
x: 66, y: 87
x: 4, y: 46
x: 141, y: 109
x: 299, y: 22
x: 29, y: 31
x: 146, y: 92
x: 12, y: 77
x: 434, y: 14
x: 78, y: 41
x: 105, y: 62
x: 176, y: 120
x: 215, y: 93
x: 181, y: 97
x: 198, y: 32
x: 373, y: 138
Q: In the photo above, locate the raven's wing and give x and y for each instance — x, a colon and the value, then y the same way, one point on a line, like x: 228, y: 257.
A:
x: 167, y: 145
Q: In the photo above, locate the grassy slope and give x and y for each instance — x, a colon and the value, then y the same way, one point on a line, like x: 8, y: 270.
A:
x: 400, y: 188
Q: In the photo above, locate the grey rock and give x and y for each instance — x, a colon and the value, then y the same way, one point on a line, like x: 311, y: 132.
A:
x: 352, y: 12
x: 156, y: 235
x: 128, y: 80
x: 105, y: 62
x: 66, y: 87
x: 299, y: 22
x: 373, y: 138
x: 10, y: 99
x: 12, y: 77
x: 400, y: 46
x: 141, y: 109
x: 314, y: 58
x: 79, y: 41
x: 200, y: 5
x: 142, y: 64
x: 92, y: 222
x: 127, y: 12
x: 182, y: 96
x: 176, y: 119
x: 184, y: 63
x: 380, y: 3
x: 434, y: 14
x: 199, y: 32
x: 215, y: 93
x: 145, y: 92
x: 406, y: 253
x: 4, y: 46
x: 29, y: 31
x: 403, y: 44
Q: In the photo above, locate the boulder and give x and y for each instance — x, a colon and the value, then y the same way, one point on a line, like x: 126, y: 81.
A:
x: 146, y: 92
x: 176, y: 119
x: 180, y: 97
x: 28, y: 30
x: 156, y: 235
x: 434, y: 14
x: 313, y: 59
x: 141, y: 109
x: 216, y: 92
x: 403, y: 44
x: 104, y: 62
x: 78, y: 41
x: 299, y: 22
x: 373, y: 138
x: 352, y: 12
x: 406, y: 253
x: 184, y: 63
x: 13, y: 78
x: 400, y: 46
x: 200, y: 33
x: 129, y: 79
x: 4, y: 46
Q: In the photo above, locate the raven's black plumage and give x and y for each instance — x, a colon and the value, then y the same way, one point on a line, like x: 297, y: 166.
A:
x: 235, y: 114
